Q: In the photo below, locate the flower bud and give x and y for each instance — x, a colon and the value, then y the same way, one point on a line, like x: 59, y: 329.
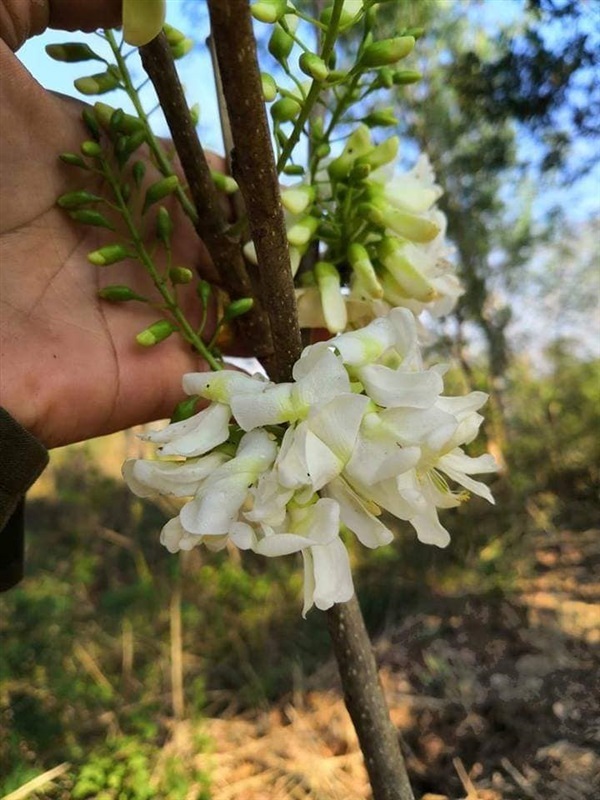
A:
x: 125, y: 146
x: 359, y: 143
x: 386, y: 51
x: 142, y: 20
x: 238, y: 307
x: 97, y: 84
x: 124, y: 123
x: 116, y: 119
x: 269, y: 87
x: 164, y: 226
x: 281, y: 43
x: 126, y: 191
x: 91, y: 149
x: 182, y: 48
x: 77, y: 199
x: 313, y: 66
x: 297, y: 199
x: 107, y: 255
x: 87, y: 216
x: 185, y: 409
x: 138, y: 171
x: 203, y: 290
x: 89, y: 120
x: 155, y: 333
x: 119, y: 294
x: 224, y: 183
x: 332, y: 300
x: 269, y: 11
x: 160, y: 189
x: 72, y: 52
x: 350, y: 10
x: 285, y: 110
x: 195, y: 113
x: 323, y: 150
x: 359, y: 173
x: 403, y: 77
x: 73, y: 160
x: 382, y: 117
x: 293, y: 169
x: 411, y: 281
x: 302, y: 232
x: 417, y: 33
x: 180, y: 275
x: 364, y: 270
x: 384, y: 153
x: 409, y: 226
x: 173, y: 35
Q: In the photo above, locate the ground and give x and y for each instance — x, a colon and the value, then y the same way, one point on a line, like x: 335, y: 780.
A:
x: 495, y: 698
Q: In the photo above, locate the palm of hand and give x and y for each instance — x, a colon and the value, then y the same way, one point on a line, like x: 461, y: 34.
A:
x: 75, y: 368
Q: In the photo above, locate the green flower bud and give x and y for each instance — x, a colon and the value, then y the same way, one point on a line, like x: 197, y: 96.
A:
x: 269, y: 11
x: 408, y: 226
x: 293, y: 169
x: 182, y: 48
x: 138, y: 171
x: 364, y: 270
x: 126, y: 191
x: 224, y: 183
x: 238, y: 307
x: 281, y: 43
x: 88, y: 216
x: 127, y: 123
x: 416, y: 33
x: 386, y: 51
x: 97, y: 84
x: 313, y: 66
x: 285, y: 110
x: 359, y: 143
x: 180, y: 275
x: 119, y: 294
x: 384, y: 153
x: 77, y: 199
x: 73, y: 160
x: 116, y: 119
x: 89, y: 120
x: 350, y: 11
x: 384, y: 79
x: 409, y: 279
x: 203, y: 290
x: 269, y: 87
x: 142, y: 20
x: 297, y: 199
x: 323, y: 150
x: 185, y: 409
x: 359, y: 173
x: 125, y: 146
x: 302, y: 232
x: 332, y: 300
x: 160, y: 189
x: 382, y: 117
x: 107, y: 255
x: 164, y: 226
x: 155, y: 333
x: 72, y: 52
x: 173, y: 35
x: 195, y: 113
x: 402, y: 77
x: 91, y: 149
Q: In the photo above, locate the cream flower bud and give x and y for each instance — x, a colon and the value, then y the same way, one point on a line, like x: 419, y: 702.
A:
x: 142, y: 20
x: 296, y: 199
x: 332, y: 300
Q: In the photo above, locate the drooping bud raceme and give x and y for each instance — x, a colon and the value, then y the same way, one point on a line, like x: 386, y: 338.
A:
x: 282, y: 468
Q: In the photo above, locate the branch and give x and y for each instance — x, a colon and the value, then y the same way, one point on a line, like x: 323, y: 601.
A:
x: 365, y: 702
x: 211, y: 224
x: 254, y: 169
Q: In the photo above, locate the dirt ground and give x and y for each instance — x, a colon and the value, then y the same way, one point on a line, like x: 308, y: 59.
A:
x: 494, y: 697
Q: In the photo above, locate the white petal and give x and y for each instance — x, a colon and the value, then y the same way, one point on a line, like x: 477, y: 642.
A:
x: 337, y: 423
x: 393, y: 388
x: 196, y: 435
x: 429, y: 428
x: 367, y: 344
x: 309, y: 581
x: 324, y: 379
x: 271, y: 407
x: 242, y: 535
x: 368, y: 529
x: 292, y: 469
x: 175, y: 538
x: 322, y: 463
x: 333, y: 578
x: 222, y: 386
x: 282, y: 544
x: 146, y: 478
x: 320, y: 521
x: 472, y: 466
x: 476, y: 487
x: 463, y: 405
x: 429, y: 529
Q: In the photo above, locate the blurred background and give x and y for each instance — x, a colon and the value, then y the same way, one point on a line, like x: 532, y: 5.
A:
x: 127, y: 673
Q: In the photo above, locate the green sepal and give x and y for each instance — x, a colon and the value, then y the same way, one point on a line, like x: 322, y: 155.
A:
x: 73, y: 160
x: 294, y: 169
x: 386, y: 52
x: 313, y: 66
x: 109, y: 254
x: 138, y: 171
x: 160, y: 189
x: 280, y: 44
x: 126, y: 124
x: 203, y: 290
x: 185, y: 409
x: 268, y: 11
x: 90, y: 123
x: 116, y: 120
x: 155, y: 333
x: 269, y: 87
x: 381, y: 117
x: 164, y: 226
x: 100, y: 83
x: 173, y: 35
x: 125, y: 146
x: 120, y: 294
x: 404, y: 77
x: 182, y: 48
x: 285, y: 110
x: 91, y: 149
x: 238, y: 307
x: 88, y: 216
x: 195, y: 113
x: 224, y: 183
x: 77, y: 199
x: 72, y: 52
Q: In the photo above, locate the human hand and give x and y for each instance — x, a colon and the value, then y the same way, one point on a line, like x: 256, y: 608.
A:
x: 70, y: 366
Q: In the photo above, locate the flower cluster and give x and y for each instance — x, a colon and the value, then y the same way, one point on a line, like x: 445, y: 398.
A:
x: 281, y: 468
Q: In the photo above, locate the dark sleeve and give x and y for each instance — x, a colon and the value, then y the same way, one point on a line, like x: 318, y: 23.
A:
x: 22, y: 460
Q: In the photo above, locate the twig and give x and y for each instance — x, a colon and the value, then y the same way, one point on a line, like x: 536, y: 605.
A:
x: 176, y: 653
x: 365, y: 701
x: 211, y: 223
x: 519, y: 779
x: 254, y: 170
x: 90, y: 665
x: 468, y: 785
x: 37, y: 783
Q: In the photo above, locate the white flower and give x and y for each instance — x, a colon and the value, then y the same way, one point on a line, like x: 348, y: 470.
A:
x: 194, y: 436
x: 146, y: 477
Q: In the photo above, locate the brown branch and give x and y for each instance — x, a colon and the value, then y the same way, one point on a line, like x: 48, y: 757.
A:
x: 365, y: 702
x: 254, y: 169
x: 211, y: 224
